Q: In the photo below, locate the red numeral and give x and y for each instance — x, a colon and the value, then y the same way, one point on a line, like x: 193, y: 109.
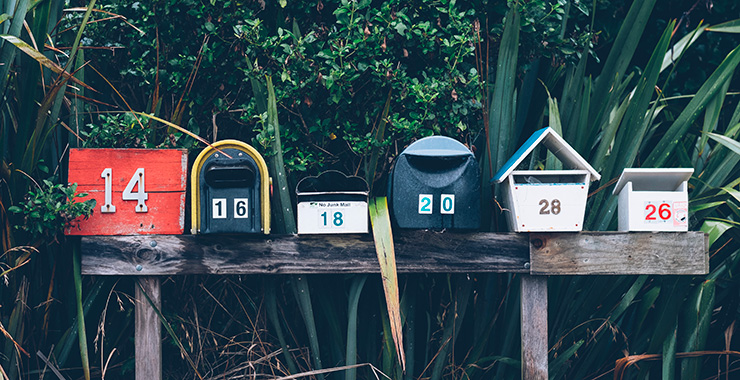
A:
x: 664, y: 211
x: 651, y: 213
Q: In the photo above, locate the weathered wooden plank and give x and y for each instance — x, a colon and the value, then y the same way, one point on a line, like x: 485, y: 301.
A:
x: 147, y: 332
x: 534, y: 327
x: 416, y: 252
x: 591, y: 253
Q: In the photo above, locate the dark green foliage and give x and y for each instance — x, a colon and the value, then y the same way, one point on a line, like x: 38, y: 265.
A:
x: 50, y: 208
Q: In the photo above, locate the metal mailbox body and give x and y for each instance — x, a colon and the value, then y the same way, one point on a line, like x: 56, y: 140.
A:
x: 332, y: 203
x: 546, y: 200
x: 435, y: 184
x: 230, y: 190
x: 653, y: 199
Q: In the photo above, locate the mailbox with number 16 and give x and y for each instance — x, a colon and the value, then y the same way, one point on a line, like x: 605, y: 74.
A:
x: 230, y: 190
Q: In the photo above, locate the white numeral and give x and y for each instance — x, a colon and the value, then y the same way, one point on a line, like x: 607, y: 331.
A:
x: 108, y: 206
x: 140, y: 196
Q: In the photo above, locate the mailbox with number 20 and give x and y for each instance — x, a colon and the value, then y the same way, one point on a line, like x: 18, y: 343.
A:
x: 230, y: 190
x: 435, y: 184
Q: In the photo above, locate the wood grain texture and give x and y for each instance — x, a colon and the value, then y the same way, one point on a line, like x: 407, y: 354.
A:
x: 416, y: 252
x: 534, y: 327
x: 148, y: 329
x: 165, y: 177
x: 592, y: 253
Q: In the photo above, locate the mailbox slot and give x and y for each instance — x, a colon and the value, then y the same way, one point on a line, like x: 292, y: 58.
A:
x: 229, y: 176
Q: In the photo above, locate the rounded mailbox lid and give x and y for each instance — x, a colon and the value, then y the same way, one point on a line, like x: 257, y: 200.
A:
x: 437, y: 146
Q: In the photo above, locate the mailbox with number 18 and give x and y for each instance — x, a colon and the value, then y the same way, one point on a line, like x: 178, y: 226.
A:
x: 230, y: 190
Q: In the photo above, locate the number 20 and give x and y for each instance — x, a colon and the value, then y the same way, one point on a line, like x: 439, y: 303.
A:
x: 128, y: 193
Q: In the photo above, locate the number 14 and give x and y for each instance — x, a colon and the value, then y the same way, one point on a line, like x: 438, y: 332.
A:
x: 140, y: 196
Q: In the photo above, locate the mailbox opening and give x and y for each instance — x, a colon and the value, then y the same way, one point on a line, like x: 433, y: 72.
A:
x: 549, y: 178
x: 229, y: 176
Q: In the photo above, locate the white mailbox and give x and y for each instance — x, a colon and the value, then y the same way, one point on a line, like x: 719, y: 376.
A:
x: 653, y: 199
x: 546, y: 200
x: 332, y: 203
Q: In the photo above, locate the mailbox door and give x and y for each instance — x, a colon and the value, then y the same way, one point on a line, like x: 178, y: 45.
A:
x: 436, y: 193
x: 229, y: 194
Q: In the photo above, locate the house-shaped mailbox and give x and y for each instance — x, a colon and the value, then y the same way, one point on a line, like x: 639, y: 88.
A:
x: 546, y: 200
x: 332, y: 203
x: 435, y: 184
x: 653, y: 199
x: 230, y: 190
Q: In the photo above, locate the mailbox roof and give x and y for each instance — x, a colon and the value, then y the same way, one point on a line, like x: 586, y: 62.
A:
x: 437, y: 146
x: 649, y: 179
x: 556, y: 144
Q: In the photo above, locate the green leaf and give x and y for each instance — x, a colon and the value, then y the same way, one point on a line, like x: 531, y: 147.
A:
x: 715, y: 229
x: 677, y: 50
x: 383, y: 236
x: 726, y: 141
x: 726, y: 27
x: 15, y: 209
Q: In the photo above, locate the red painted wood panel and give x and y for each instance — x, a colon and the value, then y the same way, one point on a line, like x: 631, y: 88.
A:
x: 165, y: 178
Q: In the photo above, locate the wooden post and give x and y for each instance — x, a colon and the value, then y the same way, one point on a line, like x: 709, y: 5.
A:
x: 147, y: 333
x: 534, y: 327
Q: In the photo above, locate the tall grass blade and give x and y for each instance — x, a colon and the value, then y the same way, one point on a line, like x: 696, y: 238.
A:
x: 669, y: 356
x: 274, y: 317
x: 726, y: 27
x: 383, y: 236
x: 697, y: 316
x: 80, y: 312
x: 502, y: 120
x: 8, y: 52
x: 378, y: 138
x: 727, y: 142
x: 284, y: 220
x: 452, y: 324
x: 676, y: 51
x: 303, y: 296
x: 358, y: 282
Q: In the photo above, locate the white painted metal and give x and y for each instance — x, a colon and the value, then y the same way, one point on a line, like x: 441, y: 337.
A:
x: 332, y: 217
x: 653, y: 199
x: 541, y: 201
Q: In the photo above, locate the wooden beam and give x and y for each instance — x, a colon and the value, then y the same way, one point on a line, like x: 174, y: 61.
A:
x: 148, y: 329
x: 619, y: 253
x: 534, y: 327
x: 416, y: 252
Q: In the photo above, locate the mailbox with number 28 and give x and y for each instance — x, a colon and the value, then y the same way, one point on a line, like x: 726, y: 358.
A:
x: 435, y: 183
x: 230, y: 190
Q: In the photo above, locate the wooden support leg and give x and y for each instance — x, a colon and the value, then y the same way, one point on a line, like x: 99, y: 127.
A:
x: 148, y: 338
x: 534, y: 327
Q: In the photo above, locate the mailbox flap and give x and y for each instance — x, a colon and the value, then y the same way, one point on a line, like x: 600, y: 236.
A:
x: 219, y: 176
x: 653, y: 179
x: 437, y: 146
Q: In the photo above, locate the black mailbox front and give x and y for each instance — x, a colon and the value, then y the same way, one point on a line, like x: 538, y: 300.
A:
x: 435, y: 184
x: 230, y: 190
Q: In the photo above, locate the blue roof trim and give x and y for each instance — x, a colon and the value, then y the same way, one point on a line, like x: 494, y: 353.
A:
x: 521, y: 153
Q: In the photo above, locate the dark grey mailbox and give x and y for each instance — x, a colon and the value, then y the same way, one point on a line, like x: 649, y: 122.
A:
x: 435, y: 184
x: 230, y: 190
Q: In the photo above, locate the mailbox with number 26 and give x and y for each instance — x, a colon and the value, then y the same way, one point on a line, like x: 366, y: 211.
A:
x: 230, y: 190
